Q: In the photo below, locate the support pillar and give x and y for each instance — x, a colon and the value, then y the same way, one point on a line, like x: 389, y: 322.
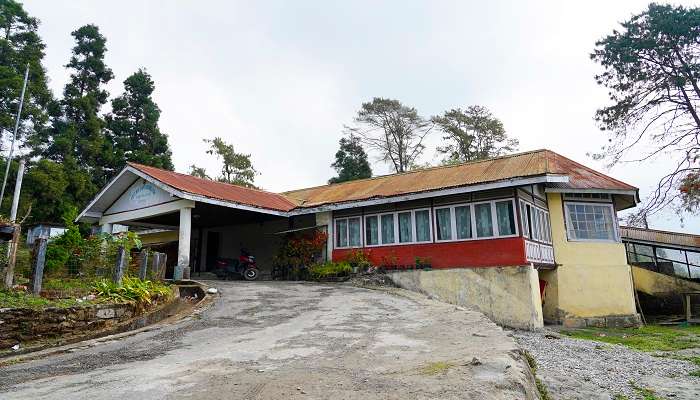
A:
x: 183, y: 245
x: 106, y: 228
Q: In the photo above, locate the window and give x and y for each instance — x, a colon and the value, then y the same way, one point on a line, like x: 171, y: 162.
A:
x: 443, y: 223
x: 535, y: 222
x: 410, y: 226
x: 347, y: 232
x: 505, y: 217
x: 422, y: 218
x: 591, y: 221
x: 372, y: 230
x: 463, y: 218
x: 405, y: 227
x: 484, y: 220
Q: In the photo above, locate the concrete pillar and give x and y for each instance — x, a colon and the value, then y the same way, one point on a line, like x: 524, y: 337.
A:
x: 106, y: 228
x: 183, y: 246
x: 326, y: 218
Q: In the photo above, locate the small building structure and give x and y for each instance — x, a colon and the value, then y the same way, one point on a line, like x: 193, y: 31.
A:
x: 498, y: 233
x: 46, y: 230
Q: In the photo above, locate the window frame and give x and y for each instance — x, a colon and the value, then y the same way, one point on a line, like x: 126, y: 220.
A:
x: 539, y: 230
x: 472, y: 208
x: 397, y: 238
x: 347, y: 232
x: 569, y: 223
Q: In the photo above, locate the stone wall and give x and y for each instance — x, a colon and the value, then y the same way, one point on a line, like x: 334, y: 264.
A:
x: 508, y: 295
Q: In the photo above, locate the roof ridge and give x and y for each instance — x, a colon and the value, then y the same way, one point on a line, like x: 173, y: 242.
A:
x: 286, y: 193
x: 588, y: 168
x: 136, y: 165
x: 659, y: 231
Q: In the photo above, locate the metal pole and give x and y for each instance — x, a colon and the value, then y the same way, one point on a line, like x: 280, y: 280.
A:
x: 18, y: 190
x: 14, y: 135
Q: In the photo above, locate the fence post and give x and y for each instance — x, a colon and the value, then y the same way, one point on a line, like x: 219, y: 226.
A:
x: 119, y: 267
x: 38, y: 267
x: 9, y: 268
x: 144, y: 264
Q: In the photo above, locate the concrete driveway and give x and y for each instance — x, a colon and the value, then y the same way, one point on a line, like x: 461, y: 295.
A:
x: 273, y: 340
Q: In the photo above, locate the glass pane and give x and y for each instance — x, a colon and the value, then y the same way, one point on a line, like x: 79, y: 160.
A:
x: 693, y: 257
x: 463, y: 216
x: 590, y: 221
x: 422, y: 226
x: 388, y: 228
x: 524, y: 220
x: 505, y: 218
x: 372, y: 230
x: 405, y: 227
x: 444, y: 226
x: 484, y: 223
x: 354, y: 232
x: 341, y: 233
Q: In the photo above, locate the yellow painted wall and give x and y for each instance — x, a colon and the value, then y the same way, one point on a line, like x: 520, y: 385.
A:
x: 655, y: 284
x: 158, y: 237
x: 593, y: 278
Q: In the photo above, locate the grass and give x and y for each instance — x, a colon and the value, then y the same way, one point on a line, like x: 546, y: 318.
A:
x: 132, y: 290
x: 649, y: 338
x: 435, y: 368
x: 541, y: 387
x: 645, y: 393
x: 12, y: 299
x: 67, y: 284
x: 620, y: 397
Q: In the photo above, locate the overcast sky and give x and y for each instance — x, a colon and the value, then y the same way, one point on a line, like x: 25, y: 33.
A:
x: 279, y: 79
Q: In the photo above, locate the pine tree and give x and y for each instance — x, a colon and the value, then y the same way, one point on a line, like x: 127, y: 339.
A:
x: 237, y: 169
x: 133, y: 126
x: 350, y: 161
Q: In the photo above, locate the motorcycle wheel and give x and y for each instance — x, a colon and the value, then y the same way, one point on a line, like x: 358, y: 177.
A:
x: 250, y: 274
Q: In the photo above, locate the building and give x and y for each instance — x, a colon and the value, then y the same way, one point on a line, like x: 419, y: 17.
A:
x: 498, y: 233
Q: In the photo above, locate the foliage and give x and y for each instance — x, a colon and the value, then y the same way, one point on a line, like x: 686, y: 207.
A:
x: 21, y: 299
x: 329, y: 269
x: 132, y: 291
x: 20, y: 45
x: 359, y: 259
x: 647, y: 338
x: 237, y: 169
x: 350, y: 161
x: 395, y: 131
x: 60, y: 249
x: 300, y: 249
x: 473, y: 134
x: 423, y: 262
x: 645, y: 393
x: 132, y: 127
x: 199, y: 172
x: 651, y: 69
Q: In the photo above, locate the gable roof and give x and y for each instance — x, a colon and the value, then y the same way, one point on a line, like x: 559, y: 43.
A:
x: 521, y: 165
x: 217, y: 190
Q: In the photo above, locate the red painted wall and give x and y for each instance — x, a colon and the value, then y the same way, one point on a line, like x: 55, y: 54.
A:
x: 473, y: 253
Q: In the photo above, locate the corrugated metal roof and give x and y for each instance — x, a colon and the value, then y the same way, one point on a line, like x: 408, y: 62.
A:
x: 218, y: 190
x: 661, y: 237
x: 528, y: 164
x: 521, y: 165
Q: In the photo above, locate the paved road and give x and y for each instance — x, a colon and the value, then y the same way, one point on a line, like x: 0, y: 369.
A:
x: 270, y: 340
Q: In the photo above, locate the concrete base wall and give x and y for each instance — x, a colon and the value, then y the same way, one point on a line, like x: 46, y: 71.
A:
x: 508, y: 295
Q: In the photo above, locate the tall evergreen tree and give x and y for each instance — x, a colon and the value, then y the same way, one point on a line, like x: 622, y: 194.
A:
x: 350, y: 161
x: 237, y: 168
x: 132, y: 127
x: 20, y: 45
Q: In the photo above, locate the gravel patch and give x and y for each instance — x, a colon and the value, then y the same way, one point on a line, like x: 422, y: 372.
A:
x: 584, y: 369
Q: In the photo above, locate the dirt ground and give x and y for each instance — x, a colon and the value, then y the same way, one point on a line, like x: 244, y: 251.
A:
x: 272, y: 340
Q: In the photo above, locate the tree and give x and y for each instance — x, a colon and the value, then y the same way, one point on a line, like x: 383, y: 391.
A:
x: 651, y: 69
x: 350, y: 161
x: 473, y: 134
x: 237, y: 169
x: 20, y: 45
x: 199, y: 172
x: 393, y: 130
x: 77, y: 133
x: 132, y: 127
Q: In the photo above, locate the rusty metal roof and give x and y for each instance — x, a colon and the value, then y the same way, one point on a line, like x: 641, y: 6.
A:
x: 521, y: 165
x: 660, y: 237
x: 218, y: 190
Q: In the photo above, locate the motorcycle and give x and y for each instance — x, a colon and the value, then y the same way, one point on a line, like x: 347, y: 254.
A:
x: 243, y: 267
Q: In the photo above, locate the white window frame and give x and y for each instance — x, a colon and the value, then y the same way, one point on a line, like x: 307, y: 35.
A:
x: 569, y: 223
x: 541, y: 229
x: 397, y: 241
x: 347, y: 232
x: 472, y: 206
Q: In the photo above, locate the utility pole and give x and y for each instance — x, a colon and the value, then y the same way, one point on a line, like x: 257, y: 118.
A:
x: 14, y: 135
x: 18, y: 189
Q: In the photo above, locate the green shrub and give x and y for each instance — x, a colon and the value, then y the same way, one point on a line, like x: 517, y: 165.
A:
x: 359, y: 259
x: 329, y: 269
x: 132, y: 290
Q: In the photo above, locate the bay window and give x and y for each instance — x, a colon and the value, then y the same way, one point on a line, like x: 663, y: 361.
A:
x: 535, y: 222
